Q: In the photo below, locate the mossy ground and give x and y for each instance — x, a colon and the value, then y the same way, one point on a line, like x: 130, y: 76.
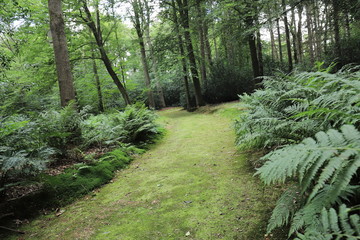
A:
x: 191, y: 185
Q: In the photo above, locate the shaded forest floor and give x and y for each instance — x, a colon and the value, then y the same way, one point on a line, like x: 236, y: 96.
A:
x: 191, y: 185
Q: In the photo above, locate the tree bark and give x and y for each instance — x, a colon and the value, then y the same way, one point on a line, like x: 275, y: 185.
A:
x: 279, y: 40
x: 336, y: 13
x: 140, y: 34
x: 310, y: 33
x: 202, y: 44
x: 98, y: 85
x: 183, y: 60
x: 259, y: 53
x: 294, y: 36
x: 57, y: 27
x: 299, y: 33
x: 272, y: 42
x: 184, y: 14
x: 96, y: 30
x: 287, y: 33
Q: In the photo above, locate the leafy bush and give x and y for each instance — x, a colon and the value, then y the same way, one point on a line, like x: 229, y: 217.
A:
x: 324, y: 170
x: 292, y: 107
x: 62, y: 128
x: 136, y: 123
x: 226, y: 82
x: 22, y: 152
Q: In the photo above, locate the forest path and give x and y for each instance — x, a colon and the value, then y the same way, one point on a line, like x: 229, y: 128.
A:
x: 191, y: 185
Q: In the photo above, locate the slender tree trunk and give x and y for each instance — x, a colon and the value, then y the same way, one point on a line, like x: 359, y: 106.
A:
x: 96, y: 30
x: 207, y: 43
x: 253, y: 51
x: 326, y: 20
x: 272, y: 42
x: 294, y: 36
x: 159, y: 90
x: 184, y: 13
x: 287, y: 33
x: 310, y: 33
x: 202, y: 44
x: 347, y: 26
x: 183, y: 60
x: 299, y: 33
x: 317, y: 30
x: 336, y: 15
x: 279, y: 40
x: 140, y: 34
x: 57, y: 27
x: 259, y: 53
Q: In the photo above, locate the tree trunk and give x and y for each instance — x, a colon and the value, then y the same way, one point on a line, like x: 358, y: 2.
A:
x: 57, y: 27
x: 202, y: 44
x: 96, y: 30
x: 184, y: 14
x: 259, y: 53
x: 253, y: 50
x: 272, y: 41
x: 183, y: 60
x: 140, y: 34
x: 310, y: 33
x: 326, y: 20
x: 159, y: 90
x: 279, y: 40
x: 336, y: 10
x: 299, y: 33
x: 287, y: 33
x: 294, y: 36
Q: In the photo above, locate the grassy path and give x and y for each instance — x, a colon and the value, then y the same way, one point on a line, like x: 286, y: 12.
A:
x: 191, y: 185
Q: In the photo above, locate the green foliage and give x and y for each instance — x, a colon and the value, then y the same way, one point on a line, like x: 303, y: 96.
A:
x: 292, y: 107
x: 332, y: 224
x: 22, y: 152
x: 324, y: 168
x: 62, y: 128
x: 226, y: 82
x: 135, y: 124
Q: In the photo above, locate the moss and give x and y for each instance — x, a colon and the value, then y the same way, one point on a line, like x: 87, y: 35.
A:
x: 81, y: 179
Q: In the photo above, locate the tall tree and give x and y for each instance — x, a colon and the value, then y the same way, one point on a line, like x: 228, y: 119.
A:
x: 310, y: 32
x: 185, y: 22
x: 180, y: 43
x: 287, y: 34
x: 97, y: 32
x: 153, y: 57
x: 139, y: 26
x: 57, y: 27
x: 336, y: 18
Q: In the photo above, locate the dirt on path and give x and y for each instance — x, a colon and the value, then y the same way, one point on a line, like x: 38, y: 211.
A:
x: 191, y: 185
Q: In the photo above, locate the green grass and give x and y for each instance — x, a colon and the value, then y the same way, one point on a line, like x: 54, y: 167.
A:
x: 192, y: 184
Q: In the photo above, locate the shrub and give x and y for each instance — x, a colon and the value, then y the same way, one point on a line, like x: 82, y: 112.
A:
x: 135, y: 124
x: 226, y: 82
x: 324, y: 170
x: 22, y: 152
x: 62, y: 128
x: 291, y: 107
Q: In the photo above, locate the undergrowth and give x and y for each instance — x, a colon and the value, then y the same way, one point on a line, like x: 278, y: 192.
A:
x: 311, y: 123
x: 29, y: 144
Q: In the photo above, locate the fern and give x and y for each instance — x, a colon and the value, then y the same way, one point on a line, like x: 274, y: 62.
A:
x: 292, y: 107
x: 135, y: 124
x: 323, y: 168
x: 332, y: 224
